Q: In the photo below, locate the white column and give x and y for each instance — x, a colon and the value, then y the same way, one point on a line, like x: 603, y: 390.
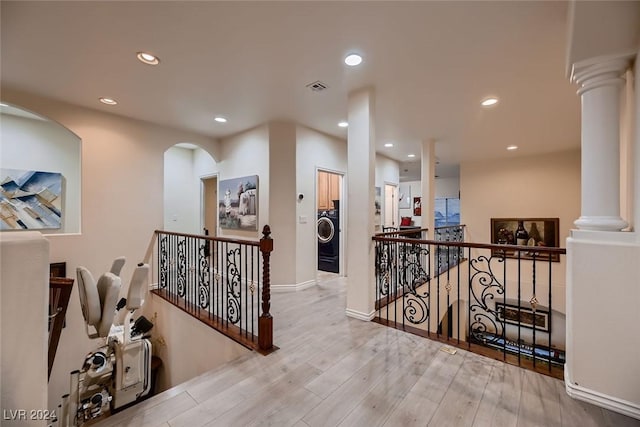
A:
x: 428, y: 179
x: 282, y: 202
x: 600, y: 84
x: 361, y: 204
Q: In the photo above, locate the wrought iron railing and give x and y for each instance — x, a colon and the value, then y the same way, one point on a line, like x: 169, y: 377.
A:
x: 449, y: 256
x: 223, y: 282
x: 498, y: 301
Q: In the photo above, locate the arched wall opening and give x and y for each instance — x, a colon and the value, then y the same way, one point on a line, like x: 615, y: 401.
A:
x: 190, y: 186
x: 41, y: 172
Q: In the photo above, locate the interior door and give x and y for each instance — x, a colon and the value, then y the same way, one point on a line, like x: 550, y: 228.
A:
x: 210, y: 204
x: 390, y: 205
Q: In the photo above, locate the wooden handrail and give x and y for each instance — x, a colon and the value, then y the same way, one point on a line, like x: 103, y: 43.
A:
x: 211, y: 238
x: 496, y: 247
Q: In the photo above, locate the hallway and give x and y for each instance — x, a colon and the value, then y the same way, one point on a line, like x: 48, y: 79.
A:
x: 333, y: 370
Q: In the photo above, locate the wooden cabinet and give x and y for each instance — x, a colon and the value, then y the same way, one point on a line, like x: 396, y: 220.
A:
x: 328, y: 189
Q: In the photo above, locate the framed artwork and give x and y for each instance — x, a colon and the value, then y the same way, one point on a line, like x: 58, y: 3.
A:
x: 524, y: 316
x: 404, y: 196
x: 539, y: 232
x: 30, y: 200
x: 238, y: 203
x: 417, y: 203
x: 58, y: 269
x: 377, y: 210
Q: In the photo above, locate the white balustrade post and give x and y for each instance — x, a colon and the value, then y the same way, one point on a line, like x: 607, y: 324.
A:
x: 600, y: 83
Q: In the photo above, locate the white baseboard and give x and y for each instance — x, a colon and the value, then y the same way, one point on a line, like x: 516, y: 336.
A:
x: 294, y: 287
x: 599, y: 399
x: 360, y: 315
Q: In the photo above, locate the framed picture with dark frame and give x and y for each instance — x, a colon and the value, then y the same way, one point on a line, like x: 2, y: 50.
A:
x: 541, y: 232
x: 523, y: 316
x: 417, y: 206
x: 58, y: 269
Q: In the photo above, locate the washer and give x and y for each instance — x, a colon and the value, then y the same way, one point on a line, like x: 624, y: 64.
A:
x: 328, y: 232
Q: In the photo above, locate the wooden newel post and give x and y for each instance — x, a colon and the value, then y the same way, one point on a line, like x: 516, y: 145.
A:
x: 265, y: 322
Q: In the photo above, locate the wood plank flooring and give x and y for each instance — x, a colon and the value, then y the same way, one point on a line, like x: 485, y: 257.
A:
x: 332, y: 370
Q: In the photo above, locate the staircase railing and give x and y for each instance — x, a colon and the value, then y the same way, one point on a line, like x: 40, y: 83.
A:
x: 223, y: 282
x: 497, y: 300
x: 449, y: 256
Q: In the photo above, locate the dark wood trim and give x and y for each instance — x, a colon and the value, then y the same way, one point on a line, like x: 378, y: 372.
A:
x: 512, y: 359
x: 211, y: 238
x: 400, y: 232
x: 60, y: 290
x: 444, y: 227
x: 265, y: 322
x: 539, y: 249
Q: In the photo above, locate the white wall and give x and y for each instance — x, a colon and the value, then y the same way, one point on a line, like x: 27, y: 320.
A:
x: 31, y: 144
x: 544, y: 186
x: 122, y: 204
x: 247, y: 154
x: 282, y: 202
x: 179, y: 332
x: 24, y: 297
x: 181, y: 193
x: 314, y: 151
x: 183, y: 170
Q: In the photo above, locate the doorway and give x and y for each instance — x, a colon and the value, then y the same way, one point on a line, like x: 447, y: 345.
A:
x: 210, y: 205
x: 391, y: 205
x: 329, y: 220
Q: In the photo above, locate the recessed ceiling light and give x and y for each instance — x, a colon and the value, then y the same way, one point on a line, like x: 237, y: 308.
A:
x: 512, y: 147
x: 108, y: 101
x: 353, y: 59
x: 148, y: 58
x: 220, y: 119
x: 488, y: 102
x: 388, y: 145
x: 411, y: 155
x: 343, y: 124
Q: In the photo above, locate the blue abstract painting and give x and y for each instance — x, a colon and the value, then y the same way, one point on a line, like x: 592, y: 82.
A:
x: 30, y: 200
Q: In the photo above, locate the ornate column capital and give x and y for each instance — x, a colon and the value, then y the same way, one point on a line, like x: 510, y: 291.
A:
x: 601, y: 71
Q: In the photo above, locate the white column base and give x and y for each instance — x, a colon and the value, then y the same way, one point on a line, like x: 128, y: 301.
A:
x: 293, y: 287
x: 599, y: 399
x: 360, y: 315
x: 601, y: 223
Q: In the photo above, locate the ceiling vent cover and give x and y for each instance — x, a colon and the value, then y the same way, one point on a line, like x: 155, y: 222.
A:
x: 317, y: 86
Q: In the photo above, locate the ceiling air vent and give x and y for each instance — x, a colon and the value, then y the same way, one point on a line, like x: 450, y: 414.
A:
x: 317, y: 86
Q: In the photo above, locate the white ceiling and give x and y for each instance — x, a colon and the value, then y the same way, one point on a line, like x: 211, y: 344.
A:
x: 431, y: 63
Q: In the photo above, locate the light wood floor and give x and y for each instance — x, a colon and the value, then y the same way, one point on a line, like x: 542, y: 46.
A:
x: 333, y: 370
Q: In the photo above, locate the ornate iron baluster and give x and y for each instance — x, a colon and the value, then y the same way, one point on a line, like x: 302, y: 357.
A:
x: 164, y: 261
x: 182, y: 267
x: 233, y: 286
x: 484, y: 287
x: 204, y: 279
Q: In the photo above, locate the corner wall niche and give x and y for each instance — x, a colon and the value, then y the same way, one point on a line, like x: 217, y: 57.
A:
x: 31, y: 142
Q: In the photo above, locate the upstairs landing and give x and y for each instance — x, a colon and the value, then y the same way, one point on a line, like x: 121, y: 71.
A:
x: 334, y: 370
